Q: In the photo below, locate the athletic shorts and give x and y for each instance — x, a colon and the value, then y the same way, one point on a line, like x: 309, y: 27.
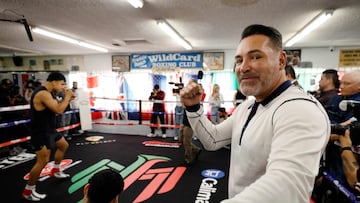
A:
x: 38, y: 140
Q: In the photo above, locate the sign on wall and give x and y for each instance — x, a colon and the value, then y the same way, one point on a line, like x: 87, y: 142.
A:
x: 349, y: 58
x: 166, y: 61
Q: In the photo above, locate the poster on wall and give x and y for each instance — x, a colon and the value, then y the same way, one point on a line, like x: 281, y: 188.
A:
x: 213, y: 60
x: 121, y: 63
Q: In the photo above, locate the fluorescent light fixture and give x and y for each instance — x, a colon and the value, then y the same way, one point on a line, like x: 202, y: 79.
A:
x: 166, y: 27
x: 136, y: 3
x: 312, y: 25
x: 67, y: 39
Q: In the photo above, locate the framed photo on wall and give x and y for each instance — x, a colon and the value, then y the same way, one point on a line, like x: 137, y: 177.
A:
x: 293, y: 57
x: 46, y: 64
x: 120, y: 63
x: 213, y: 61
x: 32, y: 62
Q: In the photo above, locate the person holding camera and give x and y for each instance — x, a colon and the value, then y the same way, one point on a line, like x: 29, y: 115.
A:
x: 277, y: 138
x: 349, y: 161
x: 350, y: 168
x: 341, y: 119
x: 157, y: 96
x: 6, y: 84
x: 349, y: 90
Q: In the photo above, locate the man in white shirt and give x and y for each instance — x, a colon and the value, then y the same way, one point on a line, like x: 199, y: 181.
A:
x: 276, y: 140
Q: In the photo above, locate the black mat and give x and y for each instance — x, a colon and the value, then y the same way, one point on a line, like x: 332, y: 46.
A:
x: 152, y: 174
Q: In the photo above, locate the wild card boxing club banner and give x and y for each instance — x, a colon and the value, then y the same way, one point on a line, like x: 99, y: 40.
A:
x: 164, y: 61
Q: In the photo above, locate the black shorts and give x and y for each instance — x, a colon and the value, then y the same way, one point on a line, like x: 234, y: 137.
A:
x: 38, y: 140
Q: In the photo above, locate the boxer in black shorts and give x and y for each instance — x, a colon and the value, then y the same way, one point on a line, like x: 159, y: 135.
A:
x: 44, y: 137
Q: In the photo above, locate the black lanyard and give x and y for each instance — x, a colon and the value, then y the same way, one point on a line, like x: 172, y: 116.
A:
x: 252, y: 113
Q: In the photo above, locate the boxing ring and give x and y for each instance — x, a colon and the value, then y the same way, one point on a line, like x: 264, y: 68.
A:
x: 118, y: 116
x: 135, y: 120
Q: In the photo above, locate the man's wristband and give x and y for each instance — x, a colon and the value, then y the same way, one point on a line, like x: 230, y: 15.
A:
x: 193, y: 108
x: 346, y: 148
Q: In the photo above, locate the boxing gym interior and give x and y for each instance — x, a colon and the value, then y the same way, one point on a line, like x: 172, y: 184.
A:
x: 117, y: 52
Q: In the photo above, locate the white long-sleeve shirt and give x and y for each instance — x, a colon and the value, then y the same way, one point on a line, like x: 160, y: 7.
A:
x: 280, y: 149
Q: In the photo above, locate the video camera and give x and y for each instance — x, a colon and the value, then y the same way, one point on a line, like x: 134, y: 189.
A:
x: 354, y: 126
x: 178, y: 86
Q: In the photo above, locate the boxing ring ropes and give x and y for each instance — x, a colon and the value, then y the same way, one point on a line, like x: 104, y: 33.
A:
x: 169, y: 117
x: 95, y: 116
x: 27, y: 121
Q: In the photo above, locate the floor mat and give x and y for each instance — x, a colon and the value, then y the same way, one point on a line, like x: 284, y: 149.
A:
x: 151, y: 173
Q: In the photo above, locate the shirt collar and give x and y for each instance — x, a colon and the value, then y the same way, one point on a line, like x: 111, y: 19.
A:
x: 276, y: 93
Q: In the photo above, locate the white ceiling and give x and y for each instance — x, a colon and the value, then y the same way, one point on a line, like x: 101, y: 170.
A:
x: 209, y: 25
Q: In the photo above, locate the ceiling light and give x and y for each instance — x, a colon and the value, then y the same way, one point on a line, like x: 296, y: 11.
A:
x: 312, y: 25
x: 174, y: 34
x: 136, y: 3
x: 67, y: 39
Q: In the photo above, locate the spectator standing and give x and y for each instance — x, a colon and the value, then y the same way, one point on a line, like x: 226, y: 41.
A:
x: 328, y: 86
x: 157, y: 96
x: 63, y: 120
x: 290, y: 75
x: 74, y: 105
x: 215, y: 101
x: 179, y: 114
x: 239, y: 98
x: 192, y: 151
x: 5, y: 92
x: 29, y: 89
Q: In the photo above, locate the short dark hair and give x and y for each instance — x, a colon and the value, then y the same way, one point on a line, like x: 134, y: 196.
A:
x: 6, y: 82
x: 333, y: 74
x: 156, y: 87
x: 56, y: 76
x: 256, y: 29
x: 105, y: 185
x: 290, y: 70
